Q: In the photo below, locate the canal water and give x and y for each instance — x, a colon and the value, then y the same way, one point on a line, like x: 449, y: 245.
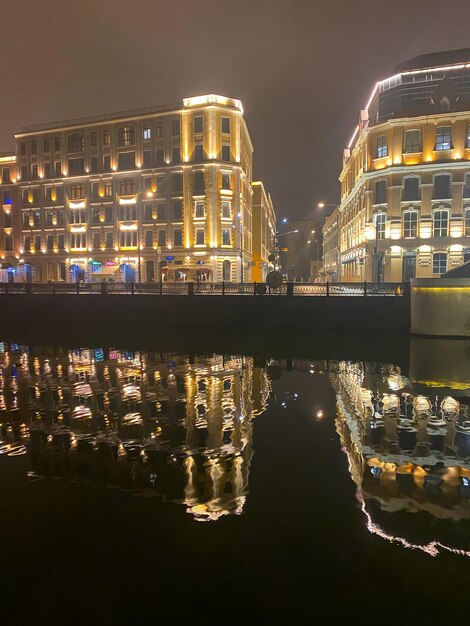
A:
x: 233, y: 486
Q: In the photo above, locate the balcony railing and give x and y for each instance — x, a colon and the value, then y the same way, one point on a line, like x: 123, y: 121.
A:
x: 207, y: 289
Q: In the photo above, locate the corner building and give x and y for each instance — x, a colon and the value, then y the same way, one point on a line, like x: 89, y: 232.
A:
x: 405, y: 182
x: 147, y: 195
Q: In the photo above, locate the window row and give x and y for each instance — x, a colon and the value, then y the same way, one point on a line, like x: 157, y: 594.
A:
x: 412, y: 189
x: 410, y: 224
x: 413, y: 141
x: 126, y: 136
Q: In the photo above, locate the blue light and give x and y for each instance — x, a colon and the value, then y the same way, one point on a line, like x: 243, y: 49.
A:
x: 465, y: 481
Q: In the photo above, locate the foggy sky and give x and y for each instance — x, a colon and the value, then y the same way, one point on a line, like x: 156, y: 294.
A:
x: 302, y: 69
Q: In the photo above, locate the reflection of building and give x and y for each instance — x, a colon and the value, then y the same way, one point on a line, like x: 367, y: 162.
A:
x: 164, y: 191
x: 174, y: 426
x: 408, y: 454
x: 405, y: 182
x: 264, y: 232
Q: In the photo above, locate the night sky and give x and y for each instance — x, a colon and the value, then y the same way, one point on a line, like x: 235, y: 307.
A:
x: 302, y: 69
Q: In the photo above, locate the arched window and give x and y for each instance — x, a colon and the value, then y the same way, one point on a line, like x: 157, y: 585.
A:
x: 126, y: 136
x: 444, y: 104
x: 127, y: 187
x: 75, y: 143
x: 410, y: 223
x: 411, y: 191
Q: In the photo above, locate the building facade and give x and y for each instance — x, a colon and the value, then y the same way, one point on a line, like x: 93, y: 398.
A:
x: 264, y: 232
x: 303, y: 246
x: 405, y: 182
x: 154, y: 194
x: 330, y: 266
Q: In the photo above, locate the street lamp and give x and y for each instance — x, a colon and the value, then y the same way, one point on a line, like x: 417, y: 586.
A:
x: 322, y: 205
x: 276, y: 251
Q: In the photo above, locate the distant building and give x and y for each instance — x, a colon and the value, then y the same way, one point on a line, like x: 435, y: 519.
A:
x: 263, y: 232
x: 330, y: 266
x: 159, y: 193
x: 302, y: 247
x: 405, y: 182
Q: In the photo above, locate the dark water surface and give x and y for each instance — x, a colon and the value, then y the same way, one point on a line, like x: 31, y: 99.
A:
x: 297, y: 481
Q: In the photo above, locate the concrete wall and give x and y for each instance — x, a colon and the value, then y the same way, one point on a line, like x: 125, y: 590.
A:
x: 440, y: 307
x: 373, y: 313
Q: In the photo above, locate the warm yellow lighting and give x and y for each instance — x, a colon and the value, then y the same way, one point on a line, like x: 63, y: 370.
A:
x: 424, y: 248
x: 128, y: 227
x: 77, y: 205
x: 149, y: 194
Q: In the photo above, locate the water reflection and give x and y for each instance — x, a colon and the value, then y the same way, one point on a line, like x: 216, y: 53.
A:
x: 174, y: 426
x: 408, y: 454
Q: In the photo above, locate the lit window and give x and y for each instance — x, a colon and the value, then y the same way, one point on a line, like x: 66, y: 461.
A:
x: 413, y: 141
x: 467, y: 138
x: 108, y: 189
x: 77, y: 192
x: 380, y: 221
x: 147, y: 133
x: 78, y: 241
x: 382, y: 148
x: 410, y: 224
x: 127, y: 187
x: 411, y: 189
x: 106, y: 137
x: 441, y: 223
x: 226, y: 209
x: 126, y: 136
x: 443, y: 138
x: 128, y: 239
x: 467, y: 223
x: 439, y: 263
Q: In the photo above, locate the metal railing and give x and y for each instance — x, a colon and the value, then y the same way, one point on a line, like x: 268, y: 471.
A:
x: 207, y: 289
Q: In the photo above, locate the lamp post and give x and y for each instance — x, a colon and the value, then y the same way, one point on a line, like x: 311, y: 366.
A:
x: 276, y: 249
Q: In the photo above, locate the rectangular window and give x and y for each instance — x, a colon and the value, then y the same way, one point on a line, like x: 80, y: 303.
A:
x: 198, y: 152
x: 380, y: 221
x: 57, y: 168
x: 50, y: 242
x: 77, y: 216
x: 109, y: 239
x: 128, y: 212
x: 177, y: 182
x: 178, y: 237
x: 23, y: 148
x: 410, y: 224
x: 126, y: 161
x: 95, y: 214
x: 225, y: 181
x: 161, y: 211
x: 109, y: 215
x: 47, y: 145
x: 47, y: 170
x: 95, y: 189
x: 177, y: 210
x: 147, y: 158
x: 443, y: 138
x: 200, y: 236
x: 160, y: 157
x: 441, y: 224
x: 128, y: 239
x: 439, y: 263
x: 148, y: 238
x: 147, y: 184
x: 5, y: 175
x: 198, y: 124
x: 108, y: 189
x: 380, y: 192
x: 7, y: 197
x: 8, y: 243
x: 382, y: 148
x: 442, y: 187
x: 199, y: 208
x: 226, y: 237
x: 61, y: 242
x: 78, y: 241
x: 198, y: 182
x: 96, y: 241
x: 147, y: 133
x: 226, y: 209
x: 413, y: 141
x: 226, y: 153
x: 37, y: 242
x: 27, y: 243
x: 175, y: 155
x: 94, y: 164
x: 34, y: 147
x: 34, y: 170
x: 93, y: 139
x: 467, y: 138
x: 76, y: 166
x: 56, y: 144
x: 24, y: 172
x: 159, y: 130
x: 162, y: 237
x: 106, y: 163
x: 175, y: 127
x: 225, y: 124
x: 8, y: 220
x: 106, y: 137
x: 411, y: 189
x: 148, y: 212
x: 77, y: 192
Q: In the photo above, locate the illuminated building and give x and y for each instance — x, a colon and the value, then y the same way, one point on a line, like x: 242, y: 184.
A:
x: 405, y: 182
x: 158, y: 193
x: 264, y: 232
x: 172, y: 426
x: 330, y: 266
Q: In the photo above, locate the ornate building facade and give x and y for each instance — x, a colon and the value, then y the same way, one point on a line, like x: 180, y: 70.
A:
x: 405, y: 182
x: 154, y: 194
